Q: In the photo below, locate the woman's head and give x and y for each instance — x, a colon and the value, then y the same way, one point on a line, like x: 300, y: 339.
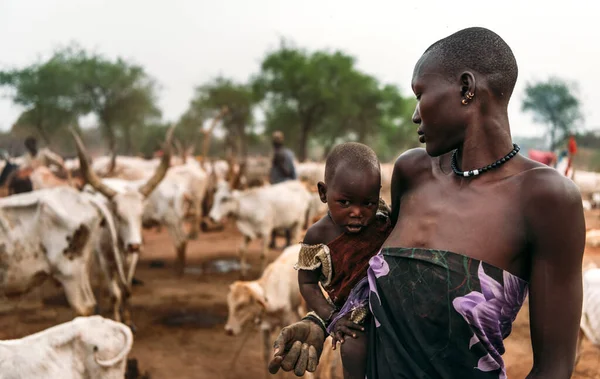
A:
x: 459, y: 81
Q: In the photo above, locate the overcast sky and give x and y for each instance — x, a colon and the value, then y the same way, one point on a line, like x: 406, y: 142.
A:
x: 184, y: 43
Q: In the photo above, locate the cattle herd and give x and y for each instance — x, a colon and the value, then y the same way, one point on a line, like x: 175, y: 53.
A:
x: 69, y: 230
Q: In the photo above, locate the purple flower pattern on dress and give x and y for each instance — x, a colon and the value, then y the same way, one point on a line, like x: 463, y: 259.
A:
x: 490, y: 314
x: 378, y: 267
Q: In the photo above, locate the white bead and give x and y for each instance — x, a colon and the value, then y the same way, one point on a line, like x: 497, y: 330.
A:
x: 466, y: 173
x: 475, y: 172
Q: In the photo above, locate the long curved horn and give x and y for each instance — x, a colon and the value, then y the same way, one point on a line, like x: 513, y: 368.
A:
x: 123, y: 354
x: 87, y: 172
x: 113, y: 163
x: 161, y: 170
x: 113, y: 236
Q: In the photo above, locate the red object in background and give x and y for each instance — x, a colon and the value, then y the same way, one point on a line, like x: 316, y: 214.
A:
x: 572, y: 146
x: 546, y: 157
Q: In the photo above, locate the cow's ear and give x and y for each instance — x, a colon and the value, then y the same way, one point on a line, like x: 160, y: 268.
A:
x: 261, y: 300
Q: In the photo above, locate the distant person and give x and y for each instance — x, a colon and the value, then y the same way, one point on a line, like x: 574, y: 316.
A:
x: 571, y: 150
x: 34, y: 157
x: 282, y: 167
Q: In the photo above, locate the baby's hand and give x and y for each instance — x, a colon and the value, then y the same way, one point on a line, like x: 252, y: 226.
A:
x: 344, y: 327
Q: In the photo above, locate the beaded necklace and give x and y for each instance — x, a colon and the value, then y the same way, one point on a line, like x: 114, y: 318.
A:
x: 483, y: 169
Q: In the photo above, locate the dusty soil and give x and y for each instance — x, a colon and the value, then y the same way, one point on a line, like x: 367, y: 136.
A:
x: 180, y: 320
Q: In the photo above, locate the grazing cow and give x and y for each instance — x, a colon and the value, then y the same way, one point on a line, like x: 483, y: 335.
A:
x: 86, y: 347
x: 272, y: 300
x: 261, y: 210
x: 51, y: 232
x: 126, y: 201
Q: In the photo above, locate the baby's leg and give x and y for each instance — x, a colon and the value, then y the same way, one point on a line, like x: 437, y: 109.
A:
x: 354, y: 356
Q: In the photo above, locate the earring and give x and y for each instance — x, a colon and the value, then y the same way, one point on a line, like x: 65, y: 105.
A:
x: 464, y: 102
x: 470, y: 95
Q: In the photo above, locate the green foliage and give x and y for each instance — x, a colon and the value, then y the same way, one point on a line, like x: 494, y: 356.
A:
x: 323, y: 96
x: 72, y: 83
x: 554, y: 104
x: 210, y: 99
x: 318, y: 99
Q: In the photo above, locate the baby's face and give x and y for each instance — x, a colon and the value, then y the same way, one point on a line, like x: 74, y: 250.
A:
x: 353, y: 198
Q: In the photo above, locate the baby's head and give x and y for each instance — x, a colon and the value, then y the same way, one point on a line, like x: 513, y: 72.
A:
x: 352, y: 185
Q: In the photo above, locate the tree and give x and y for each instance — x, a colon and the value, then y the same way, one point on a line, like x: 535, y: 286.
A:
x: 122, y: 95
x: 48, y: 92
x: 73, y: 83
x: 224, y: 99
x: 554, y: 104
x: 300, y: 86
x: 319, y: 95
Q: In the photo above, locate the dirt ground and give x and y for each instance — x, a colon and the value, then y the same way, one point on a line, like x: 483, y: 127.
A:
x: 180, y: 320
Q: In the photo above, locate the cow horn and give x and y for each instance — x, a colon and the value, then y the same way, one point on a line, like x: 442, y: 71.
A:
x: 123, y: 354
x: 87, y: 172
x: 161, y: 170
x: 113, y: 163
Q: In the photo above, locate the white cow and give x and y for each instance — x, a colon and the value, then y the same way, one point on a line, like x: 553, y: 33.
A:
x: 274, y: 300
x: 311, y: 173
x: 126, y: 201
x: 51, y: 232
x: 183, y: 185
x: 84, y: 348
x: 590, y: 315
x: 261, y: 210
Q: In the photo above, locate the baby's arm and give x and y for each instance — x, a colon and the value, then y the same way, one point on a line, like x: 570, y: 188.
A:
x: 308, y: 280
x: 311, y: 292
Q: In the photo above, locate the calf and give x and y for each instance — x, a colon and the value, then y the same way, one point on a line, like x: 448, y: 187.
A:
x: 272, y: 300
x: 262, y: 210
x: 86, y: 347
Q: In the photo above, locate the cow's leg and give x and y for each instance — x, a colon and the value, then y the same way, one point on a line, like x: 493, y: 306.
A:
x: 242, y: 252
x: 176, y: 231
x: 180, y: 266
x: 294, y: 236
x: 263, y: 253
x: 196, y: 220
x: 116, y: 298
x: 273, y: 243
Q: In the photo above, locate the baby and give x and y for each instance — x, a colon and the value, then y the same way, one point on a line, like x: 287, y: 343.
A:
x: 337, y: 248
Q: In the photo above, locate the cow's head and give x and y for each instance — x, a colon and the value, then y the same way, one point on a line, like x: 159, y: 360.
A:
x: 246, y: 303
x: 104, y: 345
x: 225, y: 202
x: 127, y: 205
x: 127, y: 208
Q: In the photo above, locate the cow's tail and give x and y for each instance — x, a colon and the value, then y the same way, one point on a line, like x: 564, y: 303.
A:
x: 113, y: 236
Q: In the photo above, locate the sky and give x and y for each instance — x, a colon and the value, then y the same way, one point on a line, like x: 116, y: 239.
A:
x: 185, y: 43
